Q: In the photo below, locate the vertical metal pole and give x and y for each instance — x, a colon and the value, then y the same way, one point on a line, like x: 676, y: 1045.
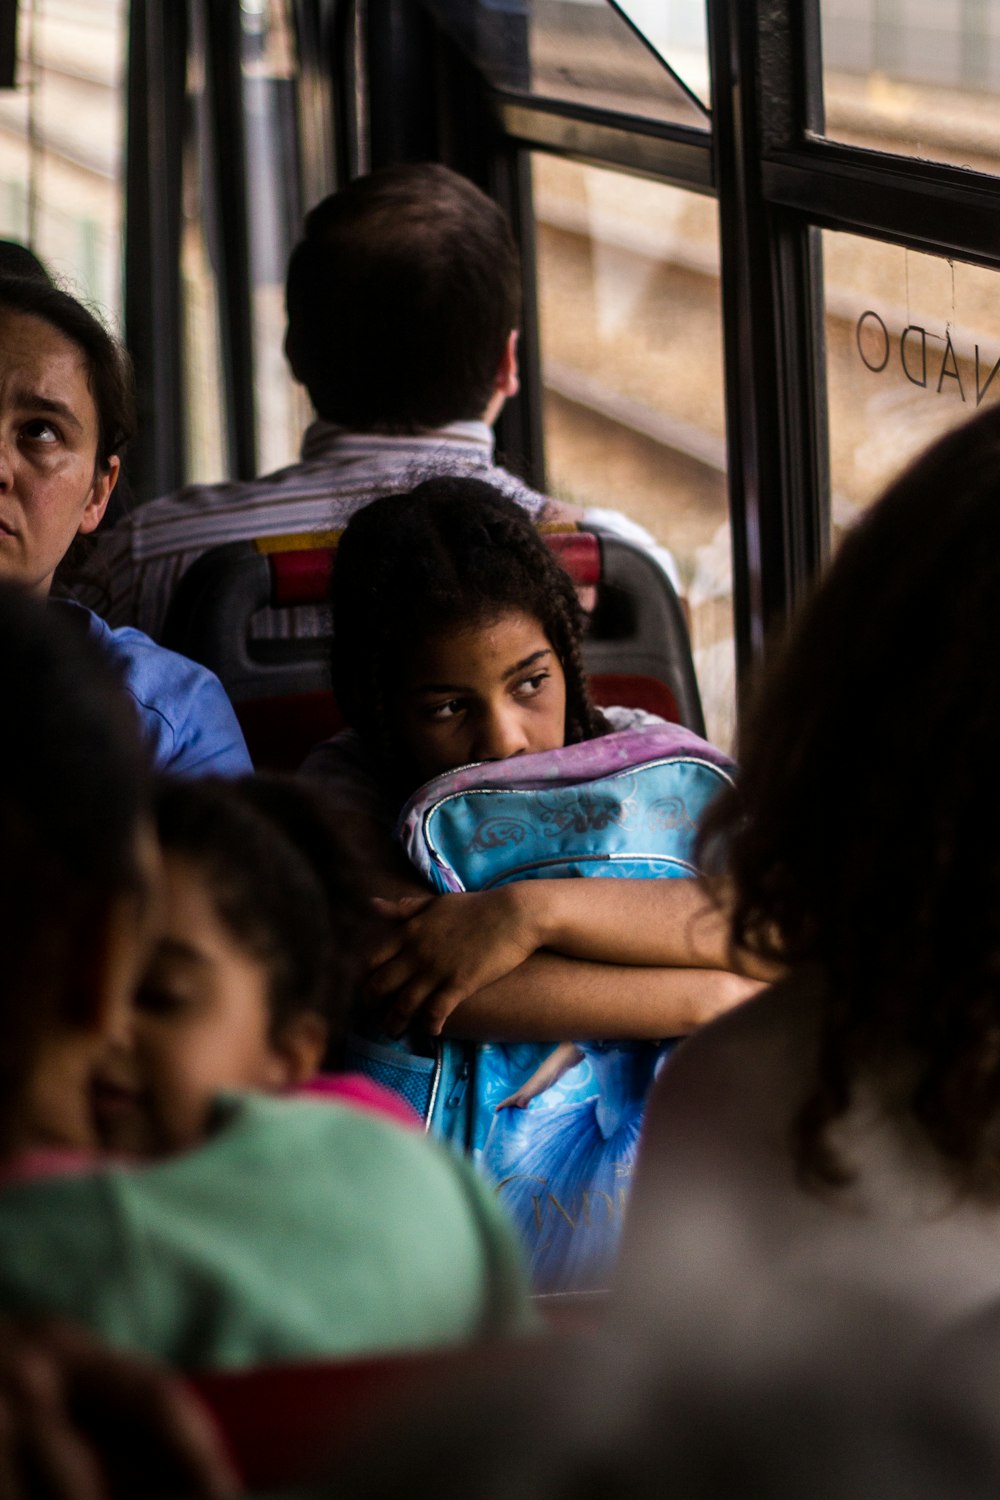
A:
x: 157, y: 50
x: 403, y: 115
x: 520, y: 430
x: 34, y: 135
x: 235, y: 288
x: 8, y: 43
x: 775, y: 398
x: 315, y: 93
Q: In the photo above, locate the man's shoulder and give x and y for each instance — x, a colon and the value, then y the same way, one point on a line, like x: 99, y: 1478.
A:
x: 135, y: 568
x: 207, y: 514
x: 322, y: 491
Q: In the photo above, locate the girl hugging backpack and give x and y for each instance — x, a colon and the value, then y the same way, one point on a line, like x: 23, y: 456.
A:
x: 554, y: 1126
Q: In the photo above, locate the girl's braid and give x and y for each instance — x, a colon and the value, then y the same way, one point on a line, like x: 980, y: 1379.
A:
x: 584, y: 721
x: 559, y: 611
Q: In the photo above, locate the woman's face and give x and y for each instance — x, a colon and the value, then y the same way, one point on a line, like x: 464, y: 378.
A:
x: 51, y: 489
x: 484, y: 693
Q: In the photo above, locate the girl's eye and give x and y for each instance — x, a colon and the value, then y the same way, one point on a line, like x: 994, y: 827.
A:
x: 438, y: 713
x: 40, y: 431
x: 529, y: 686
x: 154, y: 999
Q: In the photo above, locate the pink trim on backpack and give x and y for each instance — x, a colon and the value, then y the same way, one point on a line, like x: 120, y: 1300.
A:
x: 587, y: 761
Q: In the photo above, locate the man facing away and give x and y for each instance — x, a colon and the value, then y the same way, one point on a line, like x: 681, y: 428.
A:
x: 403, y: 306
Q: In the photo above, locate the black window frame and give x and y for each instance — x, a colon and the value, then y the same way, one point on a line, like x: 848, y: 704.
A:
x: 778, y: 183
x: 163, y: 34
x: 381, y: 80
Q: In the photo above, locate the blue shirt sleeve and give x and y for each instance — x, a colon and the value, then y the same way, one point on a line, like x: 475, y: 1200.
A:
x: 201, y: 736
x: 188, y: 721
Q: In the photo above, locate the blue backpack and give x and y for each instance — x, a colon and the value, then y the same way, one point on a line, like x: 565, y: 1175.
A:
x: 626, y: 805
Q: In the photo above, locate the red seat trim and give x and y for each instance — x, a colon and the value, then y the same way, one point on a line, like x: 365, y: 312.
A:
x: 633, y: 690
x: 301, y: 577
x: 580, y: 554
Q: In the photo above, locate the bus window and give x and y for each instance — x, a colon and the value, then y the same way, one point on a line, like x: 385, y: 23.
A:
x: 268, y: 73
x: 585, y: 52
x: 61, y: 140
x: 918, y: 78
x: 913, y: 347
x: 274, y: 222
x: 205, y: 428
x: 631, y: 341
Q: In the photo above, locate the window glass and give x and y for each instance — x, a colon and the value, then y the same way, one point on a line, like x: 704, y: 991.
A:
x: 628, y: 279
x: 913, y: 347
x: 275, y: 218
x: 61, y: 133
x: 678, y: 29
x: 206, y: 428
x: 914, y: 77
x: 582, y: 51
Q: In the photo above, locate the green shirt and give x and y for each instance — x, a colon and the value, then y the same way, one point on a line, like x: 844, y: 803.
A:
x: 300, y: 1230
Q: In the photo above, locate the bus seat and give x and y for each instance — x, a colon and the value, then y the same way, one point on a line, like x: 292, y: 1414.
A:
x: 280, y: 688
x: 636, y: 649
x: 284, y: 1425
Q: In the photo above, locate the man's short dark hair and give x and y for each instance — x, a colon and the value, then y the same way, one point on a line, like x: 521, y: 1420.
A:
x: 400, y: 300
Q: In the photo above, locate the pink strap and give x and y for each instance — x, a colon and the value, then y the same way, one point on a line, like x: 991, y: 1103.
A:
x: 359, y: 1092
x: 45, y: 1161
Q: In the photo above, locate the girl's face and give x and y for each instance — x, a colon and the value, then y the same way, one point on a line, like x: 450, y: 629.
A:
x: 51, y: 488
x: 484, y: 693
x: 200, y: 1025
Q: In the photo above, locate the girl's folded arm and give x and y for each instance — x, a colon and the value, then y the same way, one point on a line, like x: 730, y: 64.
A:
x: 439, y: 951
x: 674, y: 923
x: 551, y: 997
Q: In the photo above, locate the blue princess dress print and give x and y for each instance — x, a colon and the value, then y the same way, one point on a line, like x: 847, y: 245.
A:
x: 563, y: 1164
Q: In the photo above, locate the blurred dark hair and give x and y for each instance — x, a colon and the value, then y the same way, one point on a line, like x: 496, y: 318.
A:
x: 864, y: 834
x: 18, y: 260
x: 285, y: 885
x: 400, y: 298
x: 451, y: 553
x: 73, y: 793
x: 109, y: 370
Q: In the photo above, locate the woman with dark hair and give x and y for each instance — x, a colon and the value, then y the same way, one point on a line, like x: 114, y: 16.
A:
x: 66, y: 414
x: 846, y: 1124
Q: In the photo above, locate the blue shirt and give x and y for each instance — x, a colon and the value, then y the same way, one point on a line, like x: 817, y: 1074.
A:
x: 186, y: 718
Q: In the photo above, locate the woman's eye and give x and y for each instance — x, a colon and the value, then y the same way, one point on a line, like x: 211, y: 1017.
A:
x: 40, y: 431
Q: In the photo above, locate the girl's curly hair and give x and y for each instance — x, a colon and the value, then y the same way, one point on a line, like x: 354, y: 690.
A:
x: 451, y: 553
x: 863, y: 838
x: 284, y: 883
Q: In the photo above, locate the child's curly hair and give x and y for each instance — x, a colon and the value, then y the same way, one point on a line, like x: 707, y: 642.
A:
x: 284, y: 883
x: 452, y: 553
